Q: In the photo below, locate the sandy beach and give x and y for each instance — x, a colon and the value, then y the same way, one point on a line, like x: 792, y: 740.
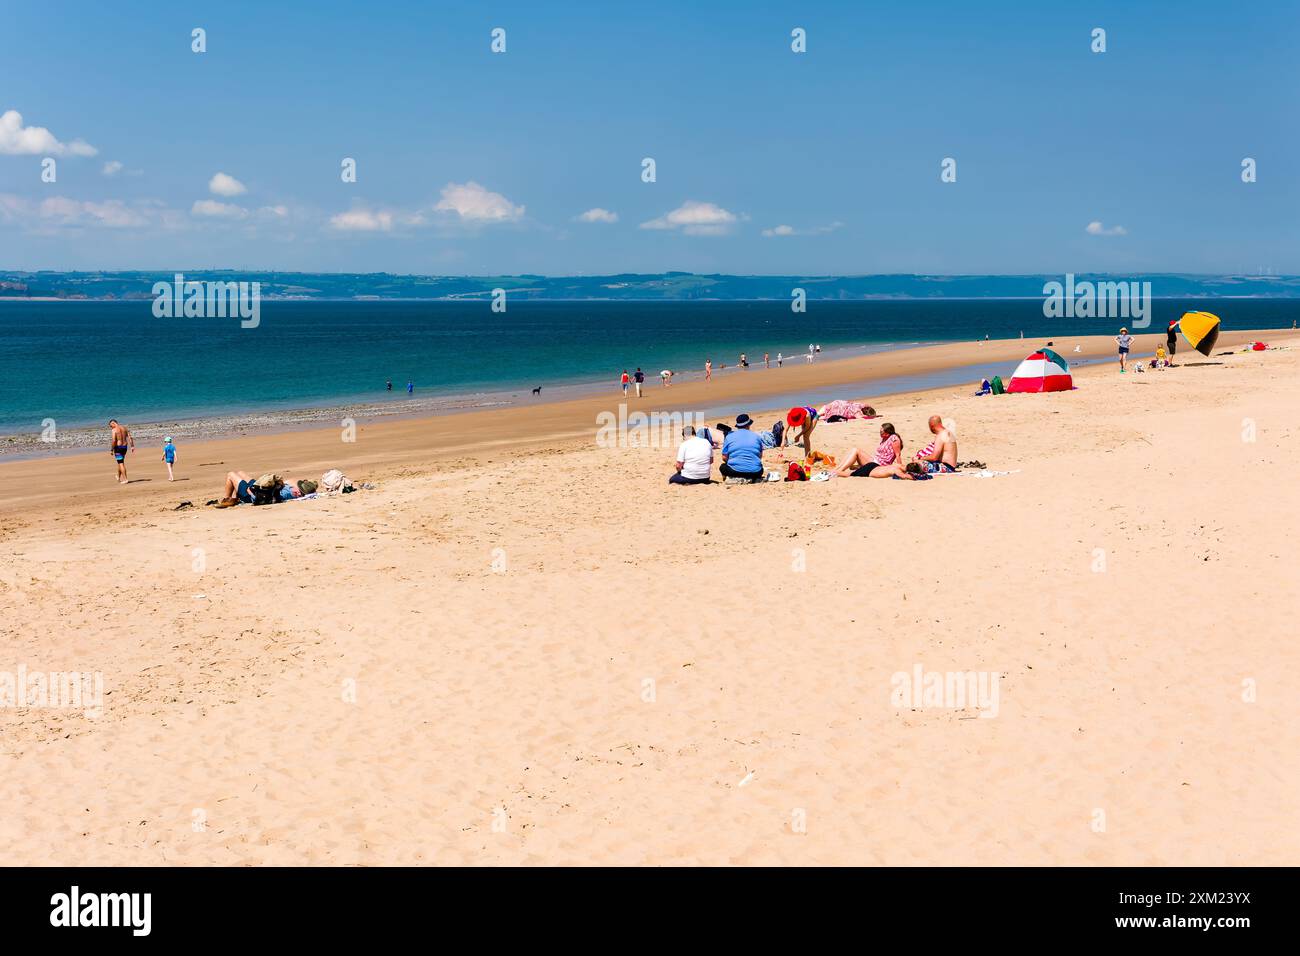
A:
x: 521, y: 648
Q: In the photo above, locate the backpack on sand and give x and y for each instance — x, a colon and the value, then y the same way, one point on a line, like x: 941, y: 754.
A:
x: 266, y: 490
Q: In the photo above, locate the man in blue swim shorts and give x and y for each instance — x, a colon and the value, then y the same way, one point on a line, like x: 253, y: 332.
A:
x: 120, y: 443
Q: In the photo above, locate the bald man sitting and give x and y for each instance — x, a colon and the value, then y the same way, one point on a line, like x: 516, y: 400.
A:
x: 940, y: 456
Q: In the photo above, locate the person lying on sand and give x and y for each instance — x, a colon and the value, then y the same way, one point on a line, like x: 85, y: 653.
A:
x: 239, y: 485
x: 940, y: 456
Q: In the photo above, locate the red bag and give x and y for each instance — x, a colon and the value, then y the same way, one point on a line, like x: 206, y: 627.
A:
x: 796, y: 472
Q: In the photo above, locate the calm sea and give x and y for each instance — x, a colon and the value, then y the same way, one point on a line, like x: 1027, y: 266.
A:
x: 83, y: 362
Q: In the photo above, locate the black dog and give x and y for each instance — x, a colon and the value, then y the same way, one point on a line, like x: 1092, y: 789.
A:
x: 537, y: 390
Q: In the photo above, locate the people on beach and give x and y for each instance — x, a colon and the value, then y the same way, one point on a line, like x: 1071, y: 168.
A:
x: 1171, y: 340
x: 940, y: 456
x: 1125, y: 342
x: 1162, y: 358
x: 625, y: 380
x: 120, y: 443
x: 389, y: 384
x: 410, y: 387
x: 639, y: 378
x: 886, y: 455
x: 803, y: 418
x: 779, y: 359
x: 169, y: 456
x: 708, y: 370
x: 694, y: 459
x: 242, y: 487
x: 666, y: 376
x: 884, y: 463
x: 744, y: 362
x: 742, y: 452
x: 767, y: 362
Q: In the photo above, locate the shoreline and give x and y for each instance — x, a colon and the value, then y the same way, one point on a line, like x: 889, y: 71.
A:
x: 85, y: 438
x: 381, y: 446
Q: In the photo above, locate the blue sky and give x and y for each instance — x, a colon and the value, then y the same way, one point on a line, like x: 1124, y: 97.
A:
x: 482, y: 163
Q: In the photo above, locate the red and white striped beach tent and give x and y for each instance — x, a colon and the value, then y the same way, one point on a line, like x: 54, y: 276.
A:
x: 1044, y: 371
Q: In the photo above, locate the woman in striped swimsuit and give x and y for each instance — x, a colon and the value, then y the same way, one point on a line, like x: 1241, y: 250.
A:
x: 884, y: 463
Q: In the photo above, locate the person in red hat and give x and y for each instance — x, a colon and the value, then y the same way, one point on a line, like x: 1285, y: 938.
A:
x: 804, y: 418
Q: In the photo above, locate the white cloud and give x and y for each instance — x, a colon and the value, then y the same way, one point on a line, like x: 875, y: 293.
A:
x: 783, y: 230
x: 223, y: 185
x: 279, y: 212
x: 695, y: 219
x: 112, y: 168
x: 363, y: 220
x: 19, y: 140
x: 62, y: 211
x: 1095, y: 228
x: 472, y: 203
x: 598, y: 215
x: 212, y: 209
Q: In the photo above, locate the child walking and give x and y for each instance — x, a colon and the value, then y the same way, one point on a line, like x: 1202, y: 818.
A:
x: 169, y: 456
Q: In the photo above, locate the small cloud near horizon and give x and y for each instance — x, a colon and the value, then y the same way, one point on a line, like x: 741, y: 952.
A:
x: 598, y: 215
x: 472, y: 203
x: 784, y: 230
x: 695, y: 218
x: 1095, y: 228
x: 211, y: 209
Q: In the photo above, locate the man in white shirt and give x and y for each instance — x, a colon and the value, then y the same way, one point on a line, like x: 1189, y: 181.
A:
x: 694, y: 460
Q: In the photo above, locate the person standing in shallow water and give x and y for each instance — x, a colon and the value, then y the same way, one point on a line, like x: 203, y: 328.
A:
x: 390, y: 384
x: 410, y: 388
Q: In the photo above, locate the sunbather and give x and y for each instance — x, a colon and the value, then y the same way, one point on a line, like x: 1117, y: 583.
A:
x: 858, y: 463
x: 941, y: 454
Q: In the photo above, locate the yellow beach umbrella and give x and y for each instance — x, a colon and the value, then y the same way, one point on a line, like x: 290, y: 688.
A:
x: 1201, y: 329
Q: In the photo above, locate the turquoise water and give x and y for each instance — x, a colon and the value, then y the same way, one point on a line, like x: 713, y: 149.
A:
x: 84, y: 362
